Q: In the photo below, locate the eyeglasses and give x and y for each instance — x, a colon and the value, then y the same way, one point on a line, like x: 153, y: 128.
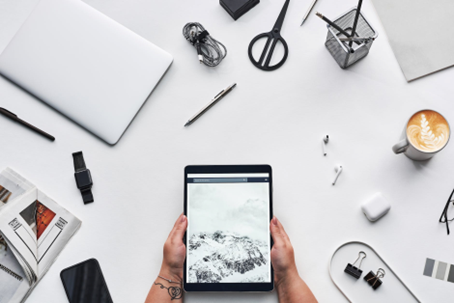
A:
x: 444, y: 214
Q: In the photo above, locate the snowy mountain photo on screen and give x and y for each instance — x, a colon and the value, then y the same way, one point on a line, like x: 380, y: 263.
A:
x: 226, y: 257
x: 228, y: 233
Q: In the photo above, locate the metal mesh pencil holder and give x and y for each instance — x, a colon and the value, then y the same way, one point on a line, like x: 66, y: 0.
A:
x: 340, y: 50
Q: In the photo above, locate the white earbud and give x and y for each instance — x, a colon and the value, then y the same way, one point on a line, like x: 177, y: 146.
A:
x: 325, y: 141
x: 338, y: 170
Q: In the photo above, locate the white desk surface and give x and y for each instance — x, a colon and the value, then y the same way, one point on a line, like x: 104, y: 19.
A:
x: 276, y: 117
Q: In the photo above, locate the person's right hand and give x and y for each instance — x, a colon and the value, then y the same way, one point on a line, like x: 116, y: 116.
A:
x: 282, y: 256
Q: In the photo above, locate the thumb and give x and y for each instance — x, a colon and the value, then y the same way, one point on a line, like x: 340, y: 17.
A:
x: 179, y: 229
x: 276, y: 232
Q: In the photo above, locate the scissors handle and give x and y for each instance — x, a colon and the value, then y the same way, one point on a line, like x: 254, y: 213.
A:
x: 266, y: 56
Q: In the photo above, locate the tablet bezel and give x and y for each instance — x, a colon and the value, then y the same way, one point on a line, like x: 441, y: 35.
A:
x: 227, y: 287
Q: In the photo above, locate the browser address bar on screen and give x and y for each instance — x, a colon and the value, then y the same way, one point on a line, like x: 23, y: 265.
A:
x: 219, y: 180
x: 226, y: 175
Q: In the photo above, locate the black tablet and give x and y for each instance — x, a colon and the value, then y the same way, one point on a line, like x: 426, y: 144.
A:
x: 228, y: 240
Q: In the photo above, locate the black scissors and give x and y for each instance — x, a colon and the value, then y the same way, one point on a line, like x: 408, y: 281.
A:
x: 272, y: 38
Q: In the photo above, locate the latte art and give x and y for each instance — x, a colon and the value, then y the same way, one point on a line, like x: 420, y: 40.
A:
x: 428, y: 131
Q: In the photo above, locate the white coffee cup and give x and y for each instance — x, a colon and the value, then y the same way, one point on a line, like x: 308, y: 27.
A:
x: 425, y: 134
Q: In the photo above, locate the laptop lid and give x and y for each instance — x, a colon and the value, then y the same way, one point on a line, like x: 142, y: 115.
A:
x: 85, y: 65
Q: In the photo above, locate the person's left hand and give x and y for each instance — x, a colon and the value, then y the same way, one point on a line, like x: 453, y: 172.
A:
x: 175, y: 252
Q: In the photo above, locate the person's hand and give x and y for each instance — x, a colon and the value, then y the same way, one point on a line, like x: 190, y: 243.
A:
x: 290, y: 287
x: 282, y: 255
x: 175, y: 252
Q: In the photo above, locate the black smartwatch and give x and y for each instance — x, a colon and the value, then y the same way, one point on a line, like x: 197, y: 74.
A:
x: 83, y: 177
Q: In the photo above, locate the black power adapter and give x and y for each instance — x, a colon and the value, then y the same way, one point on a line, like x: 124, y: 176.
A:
x: 237, y: 8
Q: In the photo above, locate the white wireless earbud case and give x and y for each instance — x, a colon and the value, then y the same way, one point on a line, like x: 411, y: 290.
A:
x: 376, y: 207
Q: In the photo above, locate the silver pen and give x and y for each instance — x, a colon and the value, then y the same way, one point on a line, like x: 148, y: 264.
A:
x: 308, y: 11
x: 211, y: 104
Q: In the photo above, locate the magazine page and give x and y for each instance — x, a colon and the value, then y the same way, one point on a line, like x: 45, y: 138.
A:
x: 33, y: 230
x: 15, y: 276
x: 12, y: 185
x: 18, y: 226
x: 14, y: 284
x: 31, y: 277
x: 55, y: 226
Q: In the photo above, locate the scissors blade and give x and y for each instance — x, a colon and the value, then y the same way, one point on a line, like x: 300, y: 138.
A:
x: 280, y: 19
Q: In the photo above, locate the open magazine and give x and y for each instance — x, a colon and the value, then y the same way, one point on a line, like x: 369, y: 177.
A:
x: 34, y: 229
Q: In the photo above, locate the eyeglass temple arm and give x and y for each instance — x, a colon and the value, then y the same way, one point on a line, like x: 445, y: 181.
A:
x: 445, y: 212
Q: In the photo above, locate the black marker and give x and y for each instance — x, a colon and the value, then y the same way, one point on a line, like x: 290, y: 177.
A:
x: 14, y: 117
x: 331, y: 23
x: 355, y: 22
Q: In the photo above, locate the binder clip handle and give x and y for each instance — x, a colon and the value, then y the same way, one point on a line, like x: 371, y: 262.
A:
x: 354, y: 271
x: 380, y: 273
x: 360, y: 259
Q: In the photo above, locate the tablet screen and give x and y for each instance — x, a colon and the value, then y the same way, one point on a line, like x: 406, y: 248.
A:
x: 228, y: 237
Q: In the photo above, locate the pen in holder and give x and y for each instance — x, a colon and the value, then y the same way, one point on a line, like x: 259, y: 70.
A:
x: 338, y: 44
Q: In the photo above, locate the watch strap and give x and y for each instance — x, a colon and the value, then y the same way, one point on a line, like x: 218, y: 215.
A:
x: 87, y: 196
x: 79, y: 166
x: 79, y: 163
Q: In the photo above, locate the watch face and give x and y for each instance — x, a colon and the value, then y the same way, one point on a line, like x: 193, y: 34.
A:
x: 83, y: 179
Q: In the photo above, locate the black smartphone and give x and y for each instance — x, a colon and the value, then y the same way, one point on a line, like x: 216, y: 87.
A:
x: 84, y: 283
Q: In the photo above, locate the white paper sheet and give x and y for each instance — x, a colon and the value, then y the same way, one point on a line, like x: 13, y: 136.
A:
x: 420, y: 34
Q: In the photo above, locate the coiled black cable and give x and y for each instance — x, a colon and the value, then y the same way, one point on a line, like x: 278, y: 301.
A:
x: 209, y: 50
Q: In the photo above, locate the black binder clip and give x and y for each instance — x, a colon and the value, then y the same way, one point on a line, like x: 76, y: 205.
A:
x: 354, y: 271
x: 374, y: 279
